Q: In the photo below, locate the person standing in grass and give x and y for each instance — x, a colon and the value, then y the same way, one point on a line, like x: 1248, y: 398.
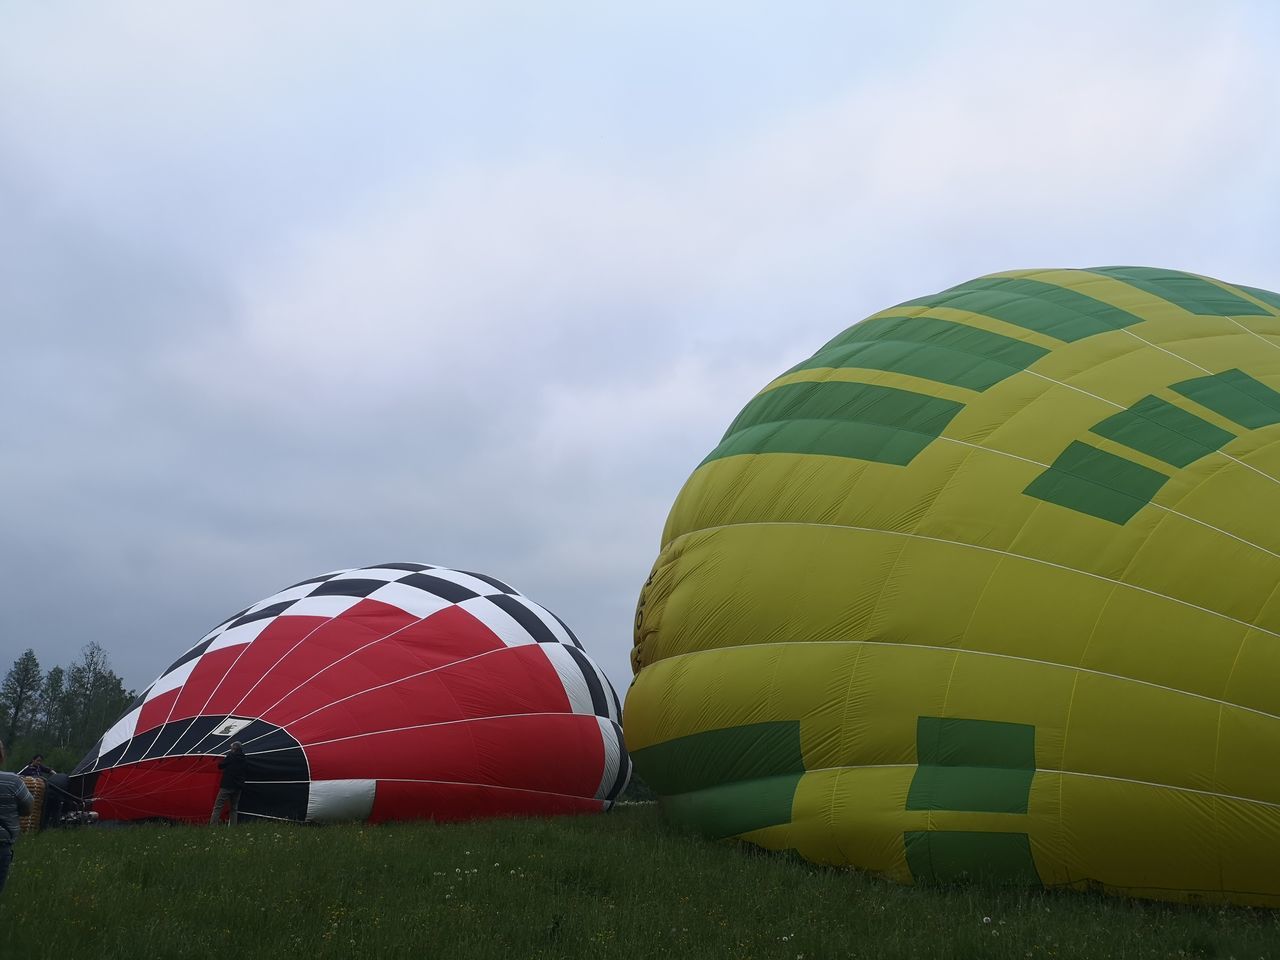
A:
x: 15, y: 801
x: 233, y: 773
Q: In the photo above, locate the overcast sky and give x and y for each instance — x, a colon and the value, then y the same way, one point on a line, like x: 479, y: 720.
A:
x: 291, y: 287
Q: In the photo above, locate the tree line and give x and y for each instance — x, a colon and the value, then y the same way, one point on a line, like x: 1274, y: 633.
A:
x: 60, y: 712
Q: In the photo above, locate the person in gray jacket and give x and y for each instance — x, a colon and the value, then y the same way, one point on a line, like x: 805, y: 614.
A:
x: 15, y: 801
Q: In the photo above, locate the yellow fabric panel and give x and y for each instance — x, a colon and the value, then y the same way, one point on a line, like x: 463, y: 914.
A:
x: 969, y: 318
x: 1021, y: 607
x: 858, y: 375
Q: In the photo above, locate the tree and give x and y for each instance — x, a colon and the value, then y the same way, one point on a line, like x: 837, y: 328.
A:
x: 52, y: 714
x: 19, y: 692
x: 95, y: 696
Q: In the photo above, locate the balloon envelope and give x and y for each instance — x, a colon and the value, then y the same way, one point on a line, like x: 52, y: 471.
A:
x: 400, y: 691
x: 987, y: 588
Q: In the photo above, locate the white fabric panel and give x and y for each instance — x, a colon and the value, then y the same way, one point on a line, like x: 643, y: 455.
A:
x: 498, y: 620
x: 121, y: 732
x: 413, y: 601
x: 173, y: 679
x: 245, y: 633
x: 369, y: 573
x: 612, y: 758
x: 231, y: 726
x: 333, y: 800
x: 474, y: 584
x: 321, y: 606
x: 575, y: 685
x: 293, y: 593
x: 545, y: 616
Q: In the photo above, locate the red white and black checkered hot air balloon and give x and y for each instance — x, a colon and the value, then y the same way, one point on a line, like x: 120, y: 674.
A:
x: 399, y: 691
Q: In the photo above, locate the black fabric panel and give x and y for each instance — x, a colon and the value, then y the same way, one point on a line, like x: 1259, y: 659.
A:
x: 112, y: 756
x: 88, y: 760
x: 135, y: 749
x: 81, y: 785
x: 264, y: 736
x: 613, y: 695
x: 408, y: 567
x: 446, y: 589
x: 347, y: 588
x: 320, y: 579
x: 164, y: 745
x: 278, y: 801
x: 572, y: 635
x: 492, y: 581
x: 624, y: 766
x: 235, y: 616
x: 138, y: 701
x: 274, y: 610
x: 277, y: 771
x: 191, y: 654
x: 599, y: 700
x: 196, y: 730
x: 522, y: 615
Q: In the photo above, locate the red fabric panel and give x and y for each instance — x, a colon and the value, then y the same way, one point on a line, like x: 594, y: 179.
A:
x: 518, y: 680
x: 558, y: 753
x: 507, y: 680
x: 448, y: 636
x: 177, y: 788
x: 208, y: 673
x: 406, y: 651
x: 271, y: 644
x: 396, y: 800
x: 368, y: 622
x: 156, y: 711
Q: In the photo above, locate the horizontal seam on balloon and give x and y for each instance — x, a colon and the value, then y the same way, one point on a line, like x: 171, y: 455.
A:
x: 422, y: 726
x: 413, y: 623
x: 1118, y: 406
x: 1065, y: 773
x: 491, y: 786
x: 983, y: 653
x: 390, y: 683
x: 974, y: 546
x: 1152, y: 503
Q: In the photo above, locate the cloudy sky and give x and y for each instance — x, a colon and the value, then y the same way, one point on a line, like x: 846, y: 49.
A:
x: 291, y: 287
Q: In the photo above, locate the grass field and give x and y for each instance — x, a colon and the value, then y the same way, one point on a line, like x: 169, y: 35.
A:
x: 621, y: 885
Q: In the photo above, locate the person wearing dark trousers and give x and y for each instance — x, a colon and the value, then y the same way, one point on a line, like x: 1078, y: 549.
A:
x: 15, y: 801
x: 233, y: 767
x: 57, y: 791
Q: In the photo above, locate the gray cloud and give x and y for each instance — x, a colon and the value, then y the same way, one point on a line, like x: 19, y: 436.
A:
x: 292, y: 290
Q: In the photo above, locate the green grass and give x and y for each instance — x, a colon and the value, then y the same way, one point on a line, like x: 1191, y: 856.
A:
x: 622, y: 885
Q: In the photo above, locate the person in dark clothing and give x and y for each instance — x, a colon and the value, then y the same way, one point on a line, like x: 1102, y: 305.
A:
x: 15, y: 801
x: 56, y: 794
x: 36, y: 768
x: 233, y: 767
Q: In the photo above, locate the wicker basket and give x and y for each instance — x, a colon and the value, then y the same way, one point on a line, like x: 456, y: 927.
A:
x: 31, y: 822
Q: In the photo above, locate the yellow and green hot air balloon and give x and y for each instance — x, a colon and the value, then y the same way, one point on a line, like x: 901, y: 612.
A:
x: 989, y: 587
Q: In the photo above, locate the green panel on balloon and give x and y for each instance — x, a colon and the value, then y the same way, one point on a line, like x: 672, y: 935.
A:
x: 1235, y: 395
x: 730, y: 780
x: 1193, y: 294
x: 952, y: 856
x: 976, y: 765
x: 734, y: 808
x: 1043, y: 307
x: 1161, y: 430
x: 1092, y: 481
x: 730, y: 754
x: 925, y: 347
x: 1266, y: 296
x: 831, y: 418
